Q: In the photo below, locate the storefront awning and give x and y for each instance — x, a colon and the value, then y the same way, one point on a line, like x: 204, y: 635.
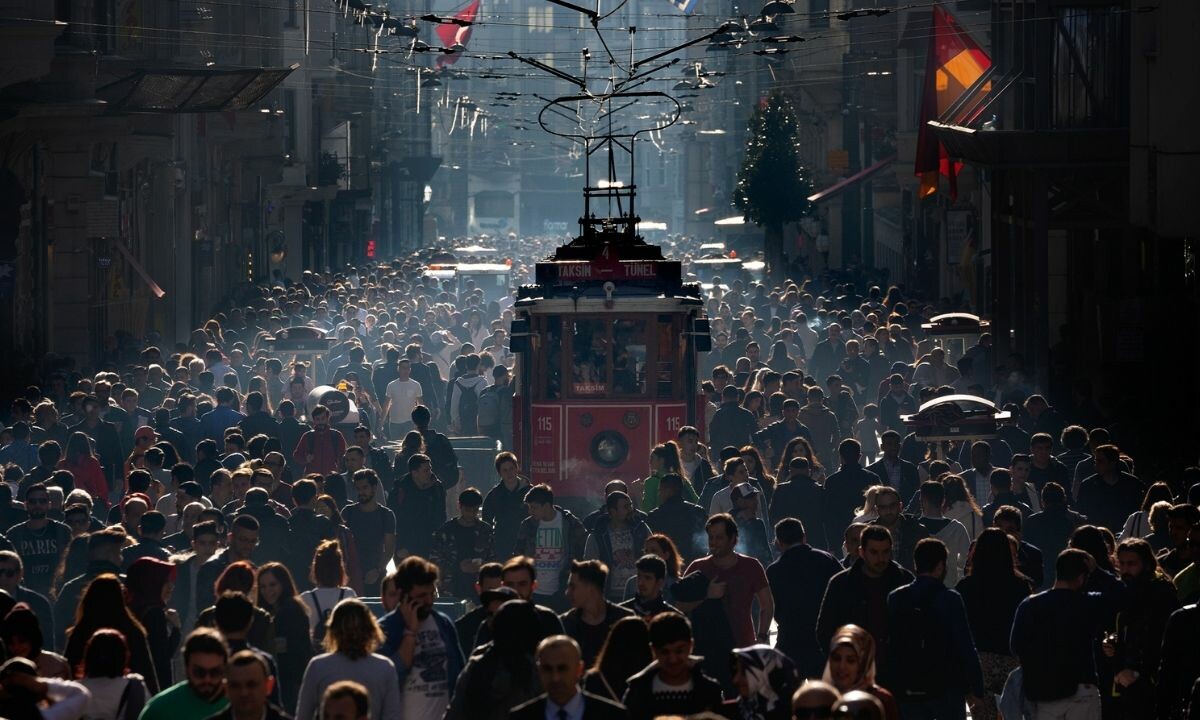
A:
x: 192, y: 90
x: 857, y: 177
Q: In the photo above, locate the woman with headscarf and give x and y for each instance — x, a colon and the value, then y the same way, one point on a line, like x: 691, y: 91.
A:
x: 502, y: 673
x: 150, y: 583
x: 851, y: 666
x: 765, y: 680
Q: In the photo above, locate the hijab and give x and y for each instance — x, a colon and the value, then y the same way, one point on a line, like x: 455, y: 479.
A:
x: 771, y: 678
x: 864, y: 646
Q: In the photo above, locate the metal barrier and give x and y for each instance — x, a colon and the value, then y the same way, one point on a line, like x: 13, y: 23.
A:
x: 455, y: 609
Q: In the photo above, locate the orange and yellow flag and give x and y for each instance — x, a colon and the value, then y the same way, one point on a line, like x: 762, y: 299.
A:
x: 953, y: 64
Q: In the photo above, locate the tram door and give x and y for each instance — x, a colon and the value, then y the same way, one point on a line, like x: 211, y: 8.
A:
x: 603, y: 391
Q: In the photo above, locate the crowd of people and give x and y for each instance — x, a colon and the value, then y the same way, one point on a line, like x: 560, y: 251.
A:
x: 186, y: 534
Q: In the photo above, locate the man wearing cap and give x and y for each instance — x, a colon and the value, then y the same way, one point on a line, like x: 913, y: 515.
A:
x: 143, y: 439
x: 735, y: 473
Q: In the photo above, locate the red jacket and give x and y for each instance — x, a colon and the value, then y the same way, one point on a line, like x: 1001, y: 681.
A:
x: 89, y: 476
x: 327, y: 448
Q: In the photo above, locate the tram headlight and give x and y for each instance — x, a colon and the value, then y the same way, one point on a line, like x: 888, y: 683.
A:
x: 609, y: 448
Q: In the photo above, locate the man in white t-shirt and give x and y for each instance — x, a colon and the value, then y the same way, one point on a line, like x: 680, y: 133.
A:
x: 552, y: 536
x: 421, y: 642
x: 403, y: 394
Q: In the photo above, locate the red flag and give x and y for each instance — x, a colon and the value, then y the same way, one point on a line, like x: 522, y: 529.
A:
x: 452, y: 35
x: 953, y: 64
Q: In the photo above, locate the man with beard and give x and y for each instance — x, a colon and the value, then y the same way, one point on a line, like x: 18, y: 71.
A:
x: 422, y: 642
x: 419, y: 505
x: 520, y: 575
x: 906, y: 530
x: 202, y: 694
x: 40, y: 541
x: 1134, y: 654
x: 373, y: 527
x: 858, y: 595
x: 319, y: 449
x: 241, y: 544
x: 893, y: 470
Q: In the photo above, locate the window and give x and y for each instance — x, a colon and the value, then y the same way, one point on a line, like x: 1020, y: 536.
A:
x: 669, y: 345
x: 590, y: 357
x: 1090, y: 68
x: 629, y: 357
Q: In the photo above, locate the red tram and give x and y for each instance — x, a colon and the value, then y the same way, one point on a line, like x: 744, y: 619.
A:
x: 608, y: 339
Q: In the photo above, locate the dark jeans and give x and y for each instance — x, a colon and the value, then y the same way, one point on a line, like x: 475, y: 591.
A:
x: 949, y: 706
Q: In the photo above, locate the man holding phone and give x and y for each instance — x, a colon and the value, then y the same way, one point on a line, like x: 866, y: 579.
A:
x: 421, y: 642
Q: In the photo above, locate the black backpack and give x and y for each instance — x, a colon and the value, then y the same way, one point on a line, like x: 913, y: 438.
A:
x: 488, y: 413
x: 468, y: 408
x: 318, y: 633
x: 921, y: 651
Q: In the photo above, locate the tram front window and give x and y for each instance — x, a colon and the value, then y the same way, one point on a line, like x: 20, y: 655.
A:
x: 629, y: 357
x: 590, y: 363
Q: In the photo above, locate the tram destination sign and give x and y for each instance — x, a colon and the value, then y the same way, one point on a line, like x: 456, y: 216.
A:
x: 574, y: 272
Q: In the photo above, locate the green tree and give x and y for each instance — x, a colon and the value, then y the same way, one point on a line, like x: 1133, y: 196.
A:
x: 773, y: 185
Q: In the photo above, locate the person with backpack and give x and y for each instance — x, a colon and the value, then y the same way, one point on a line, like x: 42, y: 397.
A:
x: 495, y: 407
x: 319, y: 449
x: 464, y: 399
x: 437, y: 446
x: 329, y: 578
x: 934, y: 665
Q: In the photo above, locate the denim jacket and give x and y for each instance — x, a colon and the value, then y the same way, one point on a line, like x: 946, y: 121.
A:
x: 393, y: 630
